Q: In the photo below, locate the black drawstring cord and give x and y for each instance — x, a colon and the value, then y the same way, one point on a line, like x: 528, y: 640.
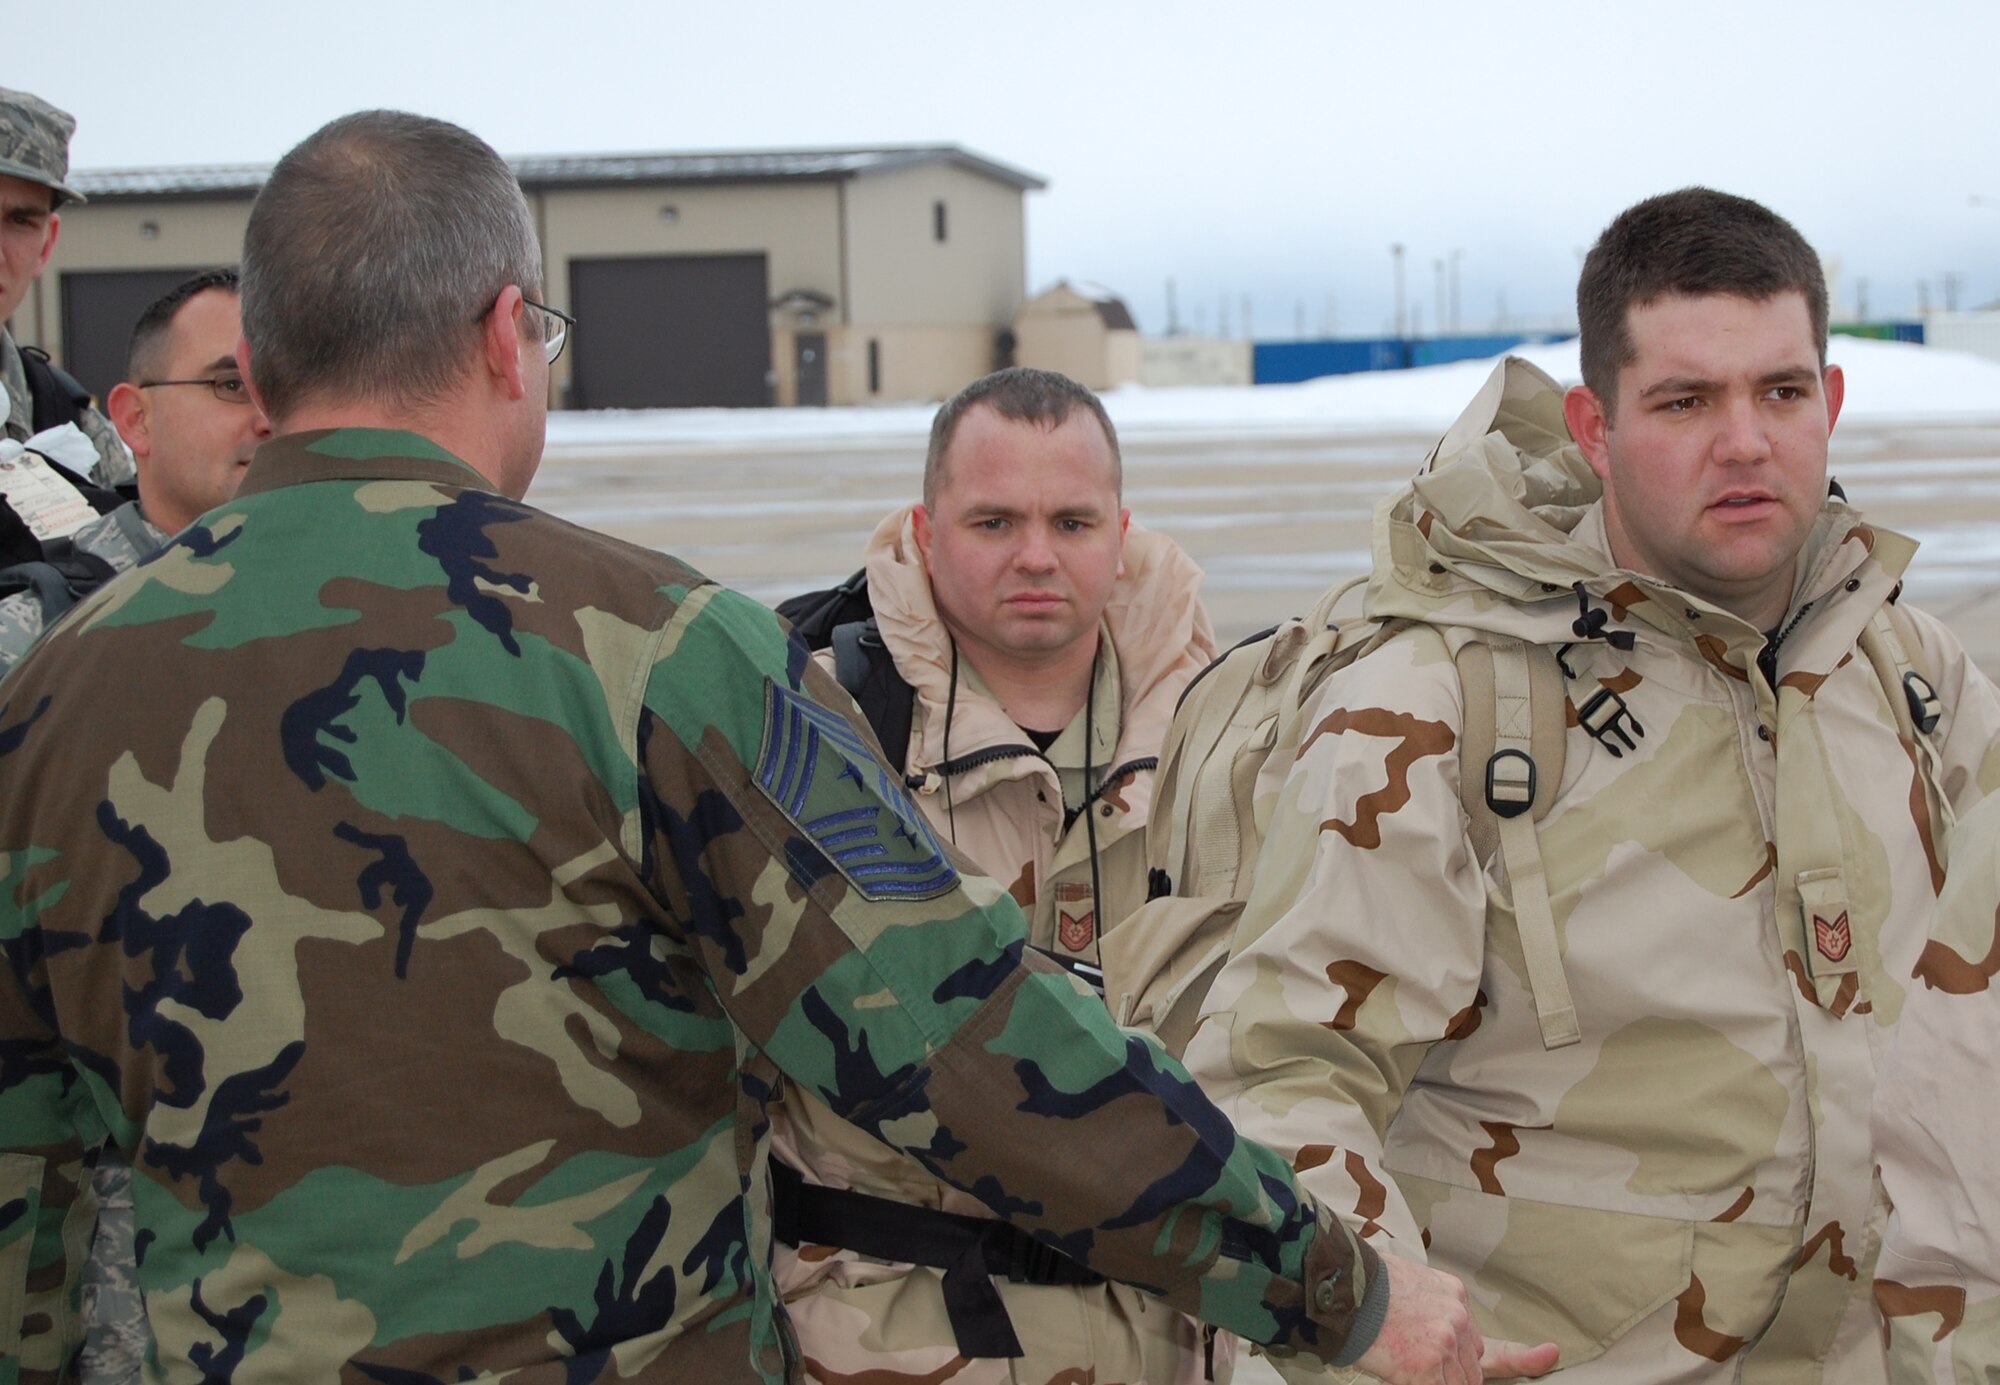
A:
x: 1089, y: 790
x: 1590, y: 624
x: 950, y: 707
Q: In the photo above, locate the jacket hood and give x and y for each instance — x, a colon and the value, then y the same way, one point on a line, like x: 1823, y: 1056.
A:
x: 1505, y: 520
x: 1155, y: 617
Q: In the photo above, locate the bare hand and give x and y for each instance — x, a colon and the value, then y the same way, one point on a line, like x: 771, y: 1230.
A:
x: 1429, y: 1339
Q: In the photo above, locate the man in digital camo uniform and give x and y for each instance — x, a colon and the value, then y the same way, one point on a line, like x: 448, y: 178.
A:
x: 1045, y: 641
x: 433, y: 940
x: 190, y: 423
x: 34, y: 162
x: 1670, y: 1174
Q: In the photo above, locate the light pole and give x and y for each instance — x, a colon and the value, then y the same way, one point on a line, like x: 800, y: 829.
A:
x: 1456, y: 256
x: 1437, y: 273
x: 1396, y: 254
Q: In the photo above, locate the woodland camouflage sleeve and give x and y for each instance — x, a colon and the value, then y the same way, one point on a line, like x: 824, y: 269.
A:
x: 842, y: 937
x: 1937, y: 1135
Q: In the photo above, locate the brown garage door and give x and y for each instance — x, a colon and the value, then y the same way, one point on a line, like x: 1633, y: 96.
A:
x: 98, y: 312
x: 676, y: 331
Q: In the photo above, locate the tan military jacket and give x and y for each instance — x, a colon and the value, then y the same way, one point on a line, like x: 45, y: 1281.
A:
x: 1937, y: 1134
x: 1688, y: 1193
x: 1007, y: 815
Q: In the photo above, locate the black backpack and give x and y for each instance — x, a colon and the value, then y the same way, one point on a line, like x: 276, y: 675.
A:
x: 56, y: 570
x: 58, y: 396
x: 842, y: 618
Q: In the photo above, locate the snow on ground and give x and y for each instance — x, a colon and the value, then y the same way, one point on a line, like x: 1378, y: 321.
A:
x: 1887, y: 382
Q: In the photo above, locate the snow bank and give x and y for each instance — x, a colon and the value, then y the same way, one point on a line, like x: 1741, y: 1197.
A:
x: 1886, y: 382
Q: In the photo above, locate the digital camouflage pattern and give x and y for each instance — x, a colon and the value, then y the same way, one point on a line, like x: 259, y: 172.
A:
x: 1937, y: 1135
x: 115, y: 1337
x: 434, y: 941
x: 114, y: 460
x: 1006, y: 812
x: 1740, y: 897
x: 34, y: 142
x: 121, y: 537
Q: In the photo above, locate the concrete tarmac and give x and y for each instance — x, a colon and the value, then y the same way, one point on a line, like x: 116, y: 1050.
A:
x: 1271, y: 517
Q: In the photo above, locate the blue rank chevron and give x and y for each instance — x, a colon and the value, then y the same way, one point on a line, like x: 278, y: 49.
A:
x: 822, y: 776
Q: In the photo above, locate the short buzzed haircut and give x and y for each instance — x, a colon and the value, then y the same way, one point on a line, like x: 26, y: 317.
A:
x: 1689, y: 243
x: 372, y: 256
x: 1021, y: 394
x: 149, y: 333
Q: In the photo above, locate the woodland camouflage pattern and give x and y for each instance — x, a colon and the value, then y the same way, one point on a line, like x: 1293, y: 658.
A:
x: 114, y: 460
x: 854, y: 1313
x: 1688, y: 1193
x: 121, y: 538
x: 434, y: 940
x: 1937, y: 1135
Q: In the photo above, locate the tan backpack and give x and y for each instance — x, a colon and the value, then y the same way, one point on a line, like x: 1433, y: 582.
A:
x: 1203, y: 838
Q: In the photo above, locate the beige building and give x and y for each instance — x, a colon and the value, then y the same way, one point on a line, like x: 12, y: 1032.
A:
x: 832, y: 276
x: 1082, y: 330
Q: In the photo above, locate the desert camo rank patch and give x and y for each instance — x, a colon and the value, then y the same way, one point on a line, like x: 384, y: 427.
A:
x: 821, y: 775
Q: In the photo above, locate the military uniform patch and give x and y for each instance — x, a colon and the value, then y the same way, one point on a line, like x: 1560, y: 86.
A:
x: 1833, y: 939
x: 1076, y: 929
x: 821, y: 775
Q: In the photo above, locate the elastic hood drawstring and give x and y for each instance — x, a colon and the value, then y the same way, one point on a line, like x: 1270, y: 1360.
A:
x: 1590, y: 624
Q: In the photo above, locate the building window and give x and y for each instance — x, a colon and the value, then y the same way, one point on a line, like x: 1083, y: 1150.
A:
x: 875, y: 364
x: 937, y: 220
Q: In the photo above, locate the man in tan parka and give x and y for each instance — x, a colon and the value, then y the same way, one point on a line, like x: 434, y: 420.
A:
x: 1046, y: 639
x: 1937, y: 1135
x: 1675, y: 1182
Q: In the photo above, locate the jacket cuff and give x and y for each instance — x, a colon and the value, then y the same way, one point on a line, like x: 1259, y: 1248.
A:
x: 1370, y: 1316
x: 1347, y: 1295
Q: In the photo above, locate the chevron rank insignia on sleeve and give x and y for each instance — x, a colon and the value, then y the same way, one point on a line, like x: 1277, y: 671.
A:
x: 822, y: 776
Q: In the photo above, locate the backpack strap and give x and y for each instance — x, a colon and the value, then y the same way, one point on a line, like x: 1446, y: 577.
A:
x: 1511, y: 764
x: 57, y: 396
x: 1914, y: 700
x: 863, y: 665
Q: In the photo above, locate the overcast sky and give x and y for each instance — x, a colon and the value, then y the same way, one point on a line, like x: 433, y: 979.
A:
x: 1269, y: 149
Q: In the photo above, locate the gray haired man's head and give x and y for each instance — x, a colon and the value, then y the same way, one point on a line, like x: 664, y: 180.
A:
x: 372, y: 256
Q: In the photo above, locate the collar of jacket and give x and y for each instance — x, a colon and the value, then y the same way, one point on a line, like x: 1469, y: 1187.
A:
x: 356, y: 454
x: 1505, y: 520
x: 1159, y: 632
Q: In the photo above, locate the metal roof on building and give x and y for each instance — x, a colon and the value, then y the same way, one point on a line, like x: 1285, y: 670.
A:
x: 548, y: 172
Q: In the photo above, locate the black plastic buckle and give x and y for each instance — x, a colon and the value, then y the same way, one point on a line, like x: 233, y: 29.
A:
x: 1925, y: 708
x: 1510, y: 806
x: 1605, y: 716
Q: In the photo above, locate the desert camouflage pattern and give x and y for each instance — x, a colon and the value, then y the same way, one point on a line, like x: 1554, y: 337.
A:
x: 114, y: 460
x: 434, y: 941
x: 854, y: 1314
x: 1740, y: 897
x: 122, y: 537
x: 1937, y: 1135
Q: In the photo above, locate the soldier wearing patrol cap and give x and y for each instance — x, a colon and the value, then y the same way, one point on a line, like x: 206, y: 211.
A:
x: 34, y: 164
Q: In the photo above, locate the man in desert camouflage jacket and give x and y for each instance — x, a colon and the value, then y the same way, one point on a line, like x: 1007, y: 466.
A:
x: 463, y: 885
x: 1742, y: 855
x: 1937, y: 1134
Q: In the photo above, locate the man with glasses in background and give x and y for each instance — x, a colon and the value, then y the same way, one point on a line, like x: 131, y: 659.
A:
x: 185, y: 413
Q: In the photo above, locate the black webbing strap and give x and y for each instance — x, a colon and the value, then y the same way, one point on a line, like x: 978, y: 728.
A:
x: 970, y: 1251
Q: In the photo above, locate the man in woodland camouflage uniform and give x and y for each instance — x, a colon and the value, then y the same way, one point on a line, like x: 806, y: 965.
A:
x: 463, y: 885
x: 1671, y: 1176
x: 34, y: 162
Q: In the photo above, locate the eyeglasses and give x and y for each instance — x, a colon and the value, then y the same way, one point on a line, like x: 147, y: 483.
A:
x: 230, y: 389
x: 556, y: 325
